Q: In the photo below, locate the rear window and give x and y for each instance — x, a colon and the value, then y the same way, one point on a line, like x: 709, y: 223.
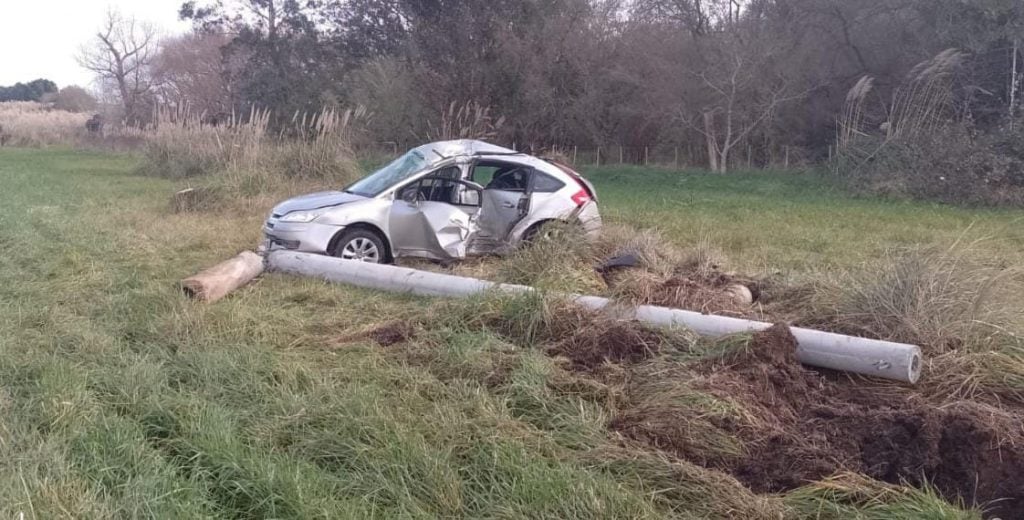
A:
x: 544, y: 183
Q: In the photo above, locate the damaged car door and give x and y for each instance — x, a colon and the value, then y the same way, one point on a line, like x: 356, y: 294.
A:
x: 504, y: 202
x: 432, y: 217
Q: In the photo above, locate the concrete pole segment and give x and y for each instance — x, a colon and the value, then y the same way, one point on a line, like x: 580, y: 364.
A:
x: 897, y: 361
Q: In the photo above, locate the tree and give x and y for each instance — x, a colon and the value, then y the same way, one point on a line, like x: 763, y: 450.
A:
x: 31, y: 91
x: 743, y: 87
x: 277, y: 57
x: 75, y: 99
x: 189, y: 70
x: 121, y: 54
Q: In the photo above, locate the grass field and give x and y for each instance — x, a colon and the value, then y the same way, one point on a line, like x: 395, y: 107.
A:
x: 793, y: 222
x: 120, y: 398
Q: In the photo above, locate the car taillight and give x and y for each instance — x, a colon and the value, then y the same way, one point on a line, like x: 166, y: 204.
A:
x: 581, y: 197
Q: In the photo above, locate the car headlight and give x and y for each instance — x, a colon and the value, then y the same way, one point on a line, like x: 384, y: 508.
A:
x: 301, y: 216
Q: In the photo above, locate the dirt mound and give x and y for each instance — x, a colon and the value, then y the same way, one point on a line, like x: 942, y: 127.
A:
x: 799, y: 425
x: 386, y: 335
x: 708, y: 292
x: 589, y: 347
x: 392, y: 333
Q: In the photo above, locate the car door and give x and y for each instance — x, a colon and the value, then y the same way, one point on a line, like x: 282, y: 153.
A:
x: 505, y: 201
x: 425, y: 219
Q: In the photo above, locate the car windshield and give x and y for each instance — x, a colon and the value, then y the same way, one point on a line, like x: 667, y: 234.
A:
x: 386, y: 177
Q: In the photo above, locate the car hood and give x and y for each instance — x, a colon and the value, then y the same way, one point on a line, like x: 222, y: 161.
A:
x: 323, y: 199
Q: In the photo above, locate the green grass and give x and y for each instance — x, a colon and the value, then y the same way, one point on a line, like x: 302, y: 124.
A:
x: 790, y: 221
x: 121, y: 398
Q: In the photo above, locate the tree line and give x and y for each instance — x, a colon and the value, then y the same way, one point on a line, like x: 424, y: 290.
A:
x: 715, y: 75
x: 32, y: 91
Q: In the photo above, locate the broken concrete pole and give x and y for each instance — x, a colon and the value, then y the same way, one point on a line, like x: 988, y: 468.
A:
x: 897, y: 361
x: 219, y: 280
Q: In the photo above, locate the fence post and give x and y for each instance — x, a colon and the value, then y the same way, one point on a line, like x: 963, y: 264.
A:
x: 647, y: 155
x: 599, y: 155
x: 620, y: 154
x: 675, y: 160
x: 787, y: 157
x: 575, y: 150
x: 749, y: 164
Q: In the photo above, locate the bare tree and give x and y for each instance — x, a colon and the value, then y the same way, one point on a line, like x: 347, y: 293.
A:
x: 121, y: 53
x: 189, y: 70
x: 742, y: 92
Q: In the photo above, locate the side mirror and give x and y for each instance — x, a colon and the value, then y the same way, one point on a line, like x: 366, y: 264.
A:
x: 411, y: 195
x: 469, y: 197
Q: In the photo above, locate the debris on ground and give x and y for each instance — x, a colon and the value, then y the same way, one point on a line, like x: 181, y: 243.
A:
x: 385, y: 335
x: 616, y: 341
x: 798, y: 426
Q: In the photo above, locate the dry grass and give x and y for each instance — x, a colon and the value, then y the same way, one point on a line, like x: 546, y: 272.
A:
x: 853, y: 496
x: 28, y: 123
x: 943, y: 299
x: 243, y: 160
x: 469, y: 120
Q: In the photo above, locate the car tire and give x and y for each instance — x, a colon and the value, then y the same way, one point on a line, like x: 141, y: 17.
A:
x: 545, y: 230
x: 362, y: 245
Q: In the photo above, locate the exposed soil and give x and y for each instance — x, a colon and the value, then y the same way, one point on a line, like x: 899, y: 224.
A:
x: 386, y: 335
x: 707, y: 291
x: 620, y: 341
x: 805, y: 425
x: 392, y: 333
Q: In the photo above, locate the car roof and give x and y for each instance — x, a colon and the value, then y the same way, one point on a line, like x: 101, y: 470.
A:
x: 462, y: 147
x: 441, y: 150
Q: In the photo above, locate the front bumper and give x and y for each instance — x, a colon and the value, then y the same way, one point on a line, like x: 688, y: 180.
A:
x: 306, y: 238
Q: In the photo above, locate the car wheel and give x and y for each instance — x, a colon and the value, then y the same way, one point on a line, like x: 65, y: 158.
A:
x: 362, y: 245
x: 548, y: 230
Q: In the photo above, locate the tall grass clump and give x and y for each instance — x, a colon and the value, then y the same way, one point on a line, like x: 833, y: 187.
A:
x: 922, y: 146
x: 852, y: 496
x: 244, y: 157
x: 941, y: 298
x: 28, y: 123
x: 469, y: 120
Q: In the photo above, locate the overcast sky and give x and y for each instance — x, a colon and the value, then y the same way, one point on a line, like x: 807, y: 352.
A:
x: 39, y: 38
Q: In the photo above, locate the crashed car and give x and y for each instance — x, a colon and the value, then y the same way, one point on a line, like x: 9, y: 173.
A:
x: 442, y: 201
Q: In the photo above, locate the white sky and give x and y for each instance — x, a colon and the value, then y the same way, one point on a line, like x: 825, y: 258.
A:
x: 40, y: 38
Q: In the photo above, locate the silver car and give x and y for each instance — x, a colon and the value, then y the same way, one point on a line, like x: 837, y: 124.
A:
x: 442, y: 201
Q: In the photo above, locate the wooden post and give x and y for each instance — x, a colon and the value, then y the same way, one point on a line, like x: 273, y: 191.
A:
x: 620, y: 154
x: 575, y: 150
x: 676, y: 160
x: 787, y: 158
x: 1013, y: 83
x: 647, y: 155
x: 599, y: 156
x: 749, y: 164
x: 219, y: 280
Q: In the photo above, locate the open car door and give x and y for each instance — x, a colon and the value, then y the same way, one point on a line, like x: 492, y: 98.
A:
x: 432, y: 217
x: 504, y: 202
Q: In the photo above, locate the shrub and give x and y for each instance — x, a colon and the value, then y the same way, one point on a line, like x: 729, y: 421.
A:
x: 74, y: 99
x: 951, y: 164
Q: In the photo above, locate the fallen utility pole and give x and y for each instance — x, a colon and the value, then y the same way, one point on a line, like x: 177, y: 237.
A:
x: 216, y: 282
x: 897, y: 361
